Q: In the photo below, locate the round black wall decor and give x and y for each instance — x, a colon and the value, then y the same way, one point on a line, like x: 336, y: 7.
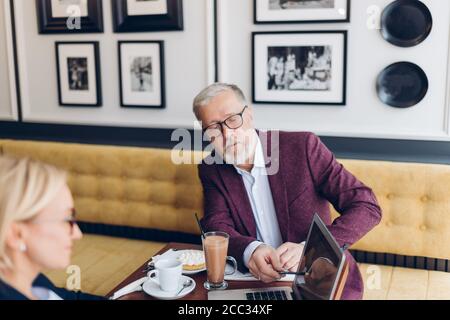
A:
x: 406, y: 23
x: 402, y: 85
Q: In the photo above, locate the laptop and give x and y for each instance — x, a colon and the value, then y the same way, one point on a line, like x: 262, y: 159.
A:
x: 321, y: 275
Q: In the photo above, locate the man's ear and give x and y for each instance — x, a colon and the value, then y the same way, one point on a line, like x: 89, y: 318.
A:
x: 14, y: 235
x: 250, y: 113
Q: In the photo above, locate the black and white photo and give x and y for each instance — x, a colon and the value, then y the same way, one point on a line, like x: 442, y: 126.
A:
x: 70, y: 16
x: 299, y: 67
x: 301, y: 11
x: 147, y: 15
x: 141, y: 65
x: 141, y: 74
x: 301, y: 4
x: 78, y: 74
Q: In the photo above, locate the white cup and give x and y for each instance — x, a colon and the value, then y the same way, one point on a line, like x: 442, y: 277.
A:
x: 167, y: 274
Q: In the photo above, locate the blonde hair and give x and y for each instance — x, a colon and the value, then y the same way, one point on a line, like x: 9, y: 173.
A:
x: 26, y: 187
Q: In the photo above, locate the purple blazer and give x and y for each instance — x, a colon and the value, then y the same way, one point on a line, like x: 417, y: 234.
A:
x: 309, y: 178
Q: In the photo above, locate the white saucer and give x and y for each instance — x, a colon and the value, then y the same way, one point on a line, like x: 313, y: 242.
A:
x: 152, y: 288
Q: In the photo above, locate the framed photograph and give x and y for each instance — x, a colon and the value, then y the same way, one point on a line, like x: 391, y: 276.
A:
x: 141, y: 66
x: 78, y: 72
x: 69, y: 16
x: 147, y: 15
x: 301, y: 11
x: 300, y: 67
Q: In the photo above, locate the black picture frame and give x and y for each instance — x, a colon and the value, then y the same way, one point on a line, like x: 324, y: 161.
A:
x: 123, y: 104
x: 343, y: 101
x: 172, y: 21
x: 257, y: 21
x: 92, y: 23
x: 98, y: 85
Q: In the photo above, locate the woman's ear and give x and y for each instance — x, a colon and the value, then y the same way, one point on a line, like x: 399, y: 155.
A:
x: 15, y: 236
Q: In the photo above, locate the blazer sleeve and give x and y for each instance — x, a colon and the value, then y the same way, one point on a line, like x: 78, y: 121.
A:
x: 355, y: 202
x: 217, y: 217
x: 44, y: 282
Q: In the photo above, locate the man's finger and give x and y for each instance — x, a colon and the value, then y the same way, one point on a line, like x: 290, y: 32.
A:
x: 266, y: 279
x: 275, y: 261
x: 294, y: 268
x: 292, y: 263
x: 266, y: 269
x: 285, y: 258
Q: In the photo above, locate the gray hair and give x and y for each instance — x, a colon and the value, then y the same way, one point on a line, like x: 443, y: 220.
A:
x: 212, y: 91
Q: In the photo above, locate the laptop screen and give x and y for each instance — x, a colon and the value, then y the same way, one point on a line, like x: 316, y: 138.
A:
x: 320, y: 263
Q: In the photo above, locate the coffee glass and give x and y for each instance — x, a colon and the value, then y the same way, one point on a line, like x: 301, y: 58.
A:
x: 215, y: 246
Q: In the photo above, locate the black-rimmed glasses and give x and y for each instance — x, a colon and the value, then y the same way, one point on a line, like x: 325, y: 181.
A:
x: 71, y: 221
x: 233, y: 122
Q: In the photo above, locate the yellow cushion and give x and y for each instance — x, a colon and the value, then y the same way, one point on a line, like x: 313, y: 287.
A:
x: 395, y: 283
x: 415, y: 199
x: 136, y: 187
x: 106, y: 261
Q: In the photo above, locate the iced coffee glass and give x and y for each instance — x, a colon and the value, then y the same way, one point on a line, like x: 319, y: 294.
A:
x: 215, y: 246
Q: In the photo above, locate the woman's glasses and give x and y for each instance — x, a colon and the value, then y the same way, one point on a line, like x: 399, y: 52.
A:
x: 71, y: 221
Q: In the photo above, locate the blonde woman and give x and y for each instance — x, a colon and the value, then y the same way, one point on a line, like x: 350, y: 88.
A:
x: 37, y: 230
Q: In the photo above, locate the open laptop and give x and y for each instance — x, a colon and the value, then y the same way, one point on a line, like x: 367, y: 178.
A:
x: 323, y: 268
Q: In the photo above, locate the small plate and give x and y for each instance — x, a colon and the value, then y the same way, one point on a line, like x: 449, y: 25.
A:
x: 174, y: 254
x: 152, y: 288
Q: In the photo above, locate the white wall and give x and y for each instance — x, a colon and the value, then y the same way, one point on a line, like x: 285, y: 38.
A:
x: 8, y: 108
x: 368, y: 53
x: 186, y: 71
x: 189, y: 65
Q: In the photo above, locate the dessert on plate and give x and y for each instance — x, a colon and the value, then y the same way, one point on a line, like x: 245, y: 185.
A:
x: 192, y: 260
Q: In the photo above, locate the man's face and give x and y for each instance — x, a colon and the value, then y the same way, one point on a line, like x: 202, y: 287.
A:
x: 236, y: 146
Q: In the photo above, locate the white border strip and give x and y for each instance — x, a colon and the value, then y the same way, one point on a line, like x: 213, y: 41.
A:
x: 22, y: 59
x: 221, y: 40
x: 10, y: 57
x: 210, y: 37
x: 447, y: 96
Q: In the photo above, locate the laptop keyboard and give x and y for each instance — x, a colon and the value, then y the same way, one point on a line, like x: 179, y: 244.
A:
x: 267, y: 295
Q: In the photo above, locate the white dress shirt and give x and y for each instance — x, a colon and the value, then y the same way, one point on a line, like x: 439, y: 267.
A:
x: 260, y: 195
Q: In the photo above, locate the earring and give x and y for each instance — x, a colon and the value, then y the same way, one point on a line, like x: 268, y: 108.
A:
x: 22, y: 247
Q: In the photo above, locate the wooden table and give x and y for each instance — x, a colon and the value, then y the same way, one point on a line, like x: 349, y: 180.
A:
x: 200, y: 293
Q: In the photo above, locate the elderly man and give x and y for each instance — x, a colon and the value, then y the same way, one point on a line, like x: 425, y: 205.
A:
x: 266, y: 203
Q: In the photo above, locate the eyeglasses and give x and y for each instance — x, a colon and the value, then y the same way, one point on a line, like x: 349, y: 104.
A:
x: 71, y: 221
x: 233, y: 122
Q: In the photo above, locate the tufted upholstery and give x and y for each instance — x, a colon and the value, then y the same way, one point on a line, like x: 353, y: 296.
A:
x: 140, y: 187
x: 415, y: 199
x: 132, y: 187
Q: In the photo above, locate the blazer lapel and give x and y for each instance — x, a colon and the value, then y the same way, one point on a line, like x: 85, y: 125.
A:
x: 277, y: 185
x: 236, y: 189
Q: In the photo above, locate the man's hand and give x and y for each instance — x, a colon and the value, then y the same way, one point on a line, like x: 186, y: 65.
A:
x: 265, y: 264
x: 289, y: 254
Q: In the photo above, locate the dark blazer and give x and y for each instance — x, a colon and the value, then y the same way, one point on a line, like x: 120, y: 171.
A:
x: 309, y: 178
x: 9, y: 293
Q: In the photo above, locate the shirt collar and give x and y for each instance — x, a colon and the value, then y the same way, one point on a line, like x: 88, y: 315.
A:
x: 258, y: 161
